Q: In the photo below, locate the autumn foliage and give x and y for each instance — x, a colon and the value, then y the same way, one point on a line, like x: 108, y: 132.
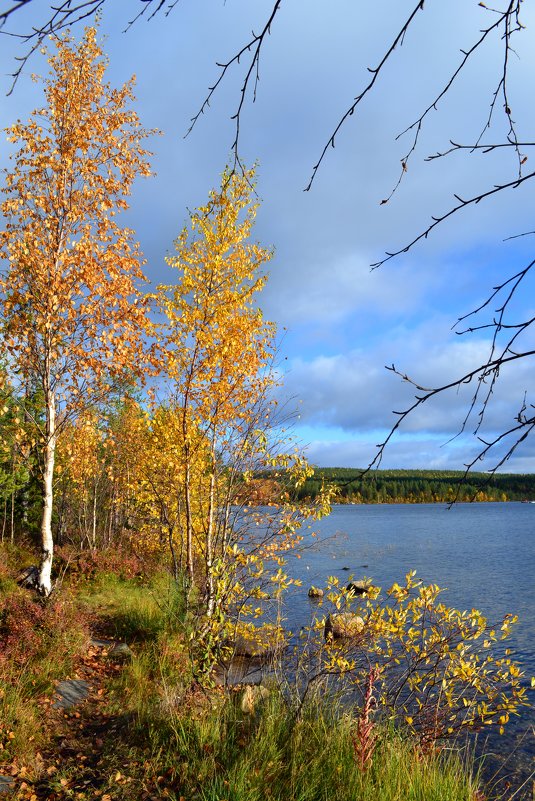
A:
x: 73, y: 314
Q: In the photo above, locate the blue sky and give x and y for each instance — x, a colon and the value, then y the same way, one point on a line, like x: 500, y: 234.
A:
x: 344, y: 322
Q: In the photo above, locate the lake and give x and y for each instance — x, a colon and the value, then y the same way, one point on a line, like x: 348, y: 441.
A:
x: 481, y: 554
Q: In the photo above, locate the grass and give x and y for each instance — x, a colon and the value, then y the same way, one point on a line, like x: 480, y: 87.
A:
x: 149, y: 732
x: 209, y: 750
x: 134, y: 609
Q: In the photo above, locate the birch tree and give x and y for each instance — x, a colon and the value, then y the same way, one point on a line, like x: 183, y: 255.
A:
x: 73, y: 313
x: 216, y: 349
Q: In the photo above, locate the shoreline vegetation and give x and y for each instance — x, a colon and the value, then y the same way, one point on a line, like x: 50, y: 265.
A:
x: 147, y: 730
x: 402, y: 486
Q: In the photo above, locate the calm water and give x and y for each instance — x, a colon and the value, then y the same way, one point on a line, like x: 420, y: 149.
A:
x: 482, y: 554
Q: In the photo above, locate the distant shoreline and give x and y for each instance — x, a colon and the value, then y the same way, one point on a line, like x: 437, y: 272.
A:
x: 420, y: 486
x: 356, y: 486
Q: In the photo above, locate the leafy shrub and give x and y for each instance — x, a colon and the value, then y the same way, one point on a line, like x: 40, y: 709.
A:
x: 437, y: 670
x: 31, y: 629
x: 89, y: 563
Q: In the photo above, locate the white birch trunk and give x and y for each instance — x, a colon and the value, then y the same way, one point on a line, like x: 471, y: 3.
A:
x: 47, y: 542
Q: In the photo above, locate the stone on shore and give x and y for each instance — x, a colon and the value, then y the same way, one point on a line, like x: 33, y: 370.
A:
x: 252, y: 696
x: 6, y: 784
x: 262, y: 643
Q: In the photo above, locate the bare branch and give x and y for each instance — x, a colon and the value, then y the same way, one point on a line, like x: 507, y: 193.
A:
x: 375, y: 71
x: 252, y: 47
x: 487, y: 148
x: 462, y: 203
x: 479, y: 373
x: 62, y: 15
x: 4, y: 15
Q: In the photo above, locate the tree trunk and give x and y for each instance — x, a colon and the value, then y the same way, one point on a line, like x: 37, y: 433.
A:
x: 210, y: 589
x: 47, y: 542
x: 12, y: 516
x: 189, y: 521
x: 94, y: 520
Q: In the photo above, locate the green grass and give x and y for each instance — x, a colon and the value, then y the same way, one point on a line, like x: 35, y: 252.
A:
x: 42, y: 641
x: 134, y: 609
x: 210, y: 750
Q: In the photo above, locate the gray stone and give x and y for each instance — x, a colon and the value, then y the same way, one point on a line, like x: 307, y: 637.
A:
x: 28, y: 577
x: 343, y: 626
x: 71, y: 692
x: 261, y: 647
x: 97, y: 642
x: 6, y: 784
x: 121, y: 652
x: 241, y: 670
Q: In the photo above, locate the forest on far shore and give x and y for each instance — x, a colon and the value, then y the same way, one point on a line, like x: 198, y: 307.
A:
x: 418, y: 486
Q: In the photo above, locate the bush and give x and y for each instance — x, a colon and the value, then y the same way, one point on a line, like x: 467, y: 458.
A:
x: 436, y: 671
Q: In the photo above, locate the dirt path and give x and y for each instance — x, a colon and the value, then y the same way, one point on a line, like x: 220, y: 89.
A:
x: 76, y: 764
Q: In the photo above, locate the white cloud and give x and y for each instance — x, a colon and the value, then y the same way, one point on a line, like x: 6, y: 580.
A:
x: 345, y: 322
x: 353, y: 391
x: 416, y: 453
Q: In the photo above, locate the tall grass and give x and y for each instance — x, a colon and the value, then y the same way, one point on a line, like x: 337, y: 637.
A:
x: 134, y: 609
x: 212, y: 750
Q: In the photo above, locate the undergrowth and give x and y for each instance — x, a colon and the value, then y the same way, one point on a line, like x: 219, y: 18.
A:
x: 152, y: 733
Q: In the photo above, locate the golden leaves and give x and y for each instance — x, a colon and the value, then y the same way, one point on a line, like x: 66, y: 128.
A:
x: 439, y: 674
x: 72, y: 271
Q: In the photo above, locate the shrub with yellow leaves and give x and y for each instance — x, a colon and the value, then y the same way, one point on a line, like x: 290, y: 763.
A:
x: 437, y: 670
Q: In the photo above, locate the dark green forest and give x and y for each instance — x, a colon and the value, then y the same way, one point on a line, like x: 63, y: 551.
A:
x: 418, y: 486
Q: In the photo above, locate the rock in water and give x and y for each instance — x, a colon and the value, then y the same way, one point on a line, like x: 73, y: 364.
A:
x: 344, y: 626
x: 315, y: 592
x: 359, y: 587
x: 263, y: 643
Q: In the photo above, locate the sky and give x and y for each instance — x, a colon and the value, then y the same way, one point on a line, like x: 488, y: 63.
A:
x: 340, y: 322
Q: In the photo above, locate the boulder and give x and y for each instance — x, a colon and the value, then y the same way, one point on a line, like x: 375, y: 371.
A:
x: 262, y: 643
x: 98, y: 642
x: 7, y: 784
x: 359, y: 587
x: 240, y: 670
x: 315, y: 592
x: 252, y: 696
x: 343, y: 626
x: 70, y: 693
x: 28, y: 577
x: 121, y: 652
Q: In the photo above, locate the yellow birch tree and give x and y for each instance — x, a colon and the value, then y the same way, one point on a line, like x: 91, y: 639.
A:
x: 73, y: 315
x: 217, y: 349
